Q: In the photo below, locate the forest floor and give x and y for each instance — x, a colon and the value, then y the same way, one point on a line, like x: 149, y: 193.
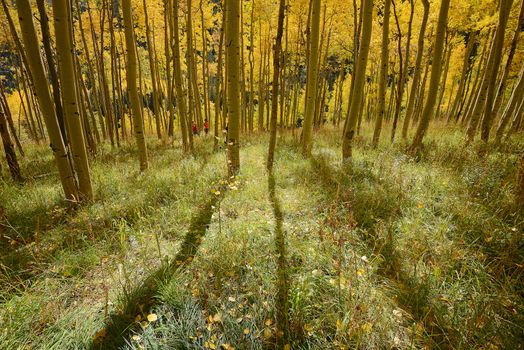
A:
x: 391, y: 252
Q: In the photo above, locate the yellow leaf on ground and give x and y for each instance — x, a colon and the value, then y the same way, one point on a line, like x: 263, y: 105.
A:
x: 268, y: 322
x: 366, y: 327
x: 217, y: 318
x: 267, y: 333
x: 152, y: 317
x: 246, y: 330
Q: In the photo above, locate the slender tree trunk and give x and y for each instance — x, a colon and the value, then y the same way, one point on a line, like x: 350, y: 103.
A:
x: 484, y: 101
x: 9, y: 119
x: 277, y: 50
x: 312, y: 79
x: 511, y: 108
x: 251, y: 58
x: 466, y: 67
x: 502, y: 85
x: 478, y: 78
x: 9, y: 150
x: 154, y: 88
x: 382, y: 78
x: 444, y: 80
x: 44, y: 98
x: 132, y: 86
x: 360, y: 76
x: 219, y: 94
x: 261, y: 89
x: 180, y: 92
x: 64, y: 47
x: 402, y: 69
x: 436, y: 69
x: 418, y: 71
x: 205, y: 75
x: 46, y: 41
x: 233, y: 84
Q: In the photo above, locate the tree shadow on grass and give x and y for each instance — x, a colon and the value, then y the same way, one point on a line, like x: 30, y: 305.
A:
x: 371, y: 210
x: 282, y: 307
x: 142, y: 298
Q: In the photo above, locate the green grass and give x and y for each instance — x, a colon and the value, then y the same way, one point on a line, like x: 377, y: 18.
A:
x: 391, y: 252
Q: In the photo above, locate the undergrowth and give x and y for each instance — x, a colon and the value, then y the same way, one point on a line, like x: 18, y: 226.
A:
x: 388, y: 252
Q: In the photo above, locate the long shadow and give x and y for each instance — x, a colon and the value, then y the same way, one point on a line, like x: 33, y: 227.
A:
x: 413, y: 294
x: 142, y: 298
x: 282, y: 307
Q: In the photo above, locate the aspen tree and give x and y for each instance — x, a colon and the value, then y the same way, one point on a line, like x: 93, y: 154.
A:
x: 44, y: 99
x: 312, y: 78
x: 219, y: 95
x: 132, y: 86
x: 403, y: 67
x: 511, y: 108
x: 484, y: 102
x: 360, y: 76
x: 436, y: 69
x: 155, y: 95
x: 277, y: 51
x: 9, y: 150
x: 502, y: 85
x: 51, y: 69
x: 232, y: 37
x: 9, y: 119
x: 64, y: 48
x: 418, y: 70
x: 192, y: 84
x: 180, y: 92
x: 384, y: 57
x: 466, y: 67
x: 251, y: 59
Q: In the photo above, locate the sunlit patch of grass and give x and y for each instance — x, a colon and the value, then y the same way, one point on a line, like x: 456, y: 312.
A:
x: 392, y: 252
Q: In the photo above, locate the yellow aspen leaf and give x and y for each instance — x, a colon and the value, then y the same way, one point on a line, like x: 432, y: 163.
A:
x: 366, y: 327
x: 246, y: 331
x: 268, y: 322
x: 152, y: 317
x: 267, y: 333
x: 287, y: 347
x: 217, y: 317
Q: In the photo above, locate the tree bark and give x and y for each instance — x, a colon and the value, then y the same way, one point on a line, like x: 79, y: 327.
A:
x: 277, y: 50
x: 360, y: 76
x: 132, y: 85
x: 64, y: 47
x: 418, y: 72
x: 436, y: 69
x: 312, y: 79
x: 382, y: 78
x: 45, y: 101
x: 233, y: 84
x: 484, y: 101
